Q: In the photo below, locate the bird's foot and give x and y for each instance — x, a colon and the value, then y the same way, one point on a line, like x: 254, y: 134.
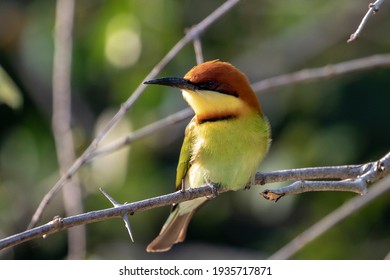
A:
x: 214, y: 189
x: 248, y: 187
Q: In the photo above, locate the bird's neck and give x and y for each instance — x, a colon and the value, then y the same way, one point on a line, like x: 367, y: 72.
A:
x: 210, y: 106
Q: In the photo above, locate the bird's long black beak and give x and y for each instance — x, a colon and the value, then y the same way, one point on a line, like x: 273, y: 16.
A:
x: 173, y: 82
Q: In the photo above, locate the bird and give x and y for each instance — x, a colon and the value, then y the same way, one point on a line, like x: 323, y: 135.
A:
x: 223, y: 144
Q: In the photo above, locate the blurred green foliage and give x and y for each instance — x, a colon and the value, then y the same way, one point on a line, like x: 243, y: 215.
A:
x: 342, y: 120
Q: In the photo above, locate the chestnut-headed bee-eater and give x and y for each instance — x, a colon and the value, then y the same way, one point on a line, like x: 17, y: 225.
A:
x: 223, y: 144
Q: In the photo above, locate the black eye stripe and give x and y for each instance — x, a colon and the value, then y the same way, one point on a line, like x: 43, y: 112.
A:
x: 214, y: 86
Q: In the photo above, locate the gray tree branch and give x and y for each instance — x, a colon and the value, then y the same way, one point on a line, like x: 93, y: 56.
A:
x: 331, y: 220
x: 328, y: 71
x: 360, y: 177
x: 373, y: 8
x: 61, y: 121
x: 363, y: 175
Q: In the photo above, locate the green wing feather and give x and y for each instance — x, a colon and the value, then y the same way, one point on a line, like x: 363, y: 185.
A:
x: 185, y: 155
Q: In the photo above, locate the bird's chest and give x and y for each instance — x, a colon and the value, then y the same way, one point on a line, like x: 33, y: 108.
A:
x: 226, y: 152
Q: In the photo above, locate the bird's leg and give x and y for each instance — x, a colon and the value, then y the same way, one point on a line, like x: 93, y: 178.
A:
x: 247, y: 186
x: 214, y: 188
x: 250, y: 183
x: 183, y: 187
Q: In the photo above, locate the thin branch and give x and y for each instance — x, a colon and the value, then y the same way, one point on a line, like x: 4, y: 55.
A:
x: 58, y: 223
x: 143, y: 132
x: 373, y: 8
x: 62, y: 118
x: 357, y: 186
x: 193, y: 33
x: 367, y: 174
x: 371, y: 174
x: 328, y: 71
x: 198, y: 51
x: 327, y: 172
x: 331, y: 220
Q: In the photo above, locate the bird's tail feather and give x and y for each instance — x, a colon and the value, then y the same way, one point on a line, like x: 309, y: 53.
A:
x: 173, y: 231
x: 175, y: 228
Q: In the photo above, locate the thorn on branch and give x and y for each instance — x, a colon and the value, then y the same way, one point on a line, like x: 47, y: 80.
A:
x: 124, y: 216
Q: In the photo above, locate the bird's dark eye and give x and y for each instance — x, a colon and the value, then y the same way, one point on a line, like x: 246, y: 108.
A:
x: 209, y: 85
x: 212, y: 84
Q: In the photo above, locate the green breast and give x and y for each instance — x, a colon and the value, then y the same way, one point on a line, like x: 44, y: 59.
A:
x: 229, y: 151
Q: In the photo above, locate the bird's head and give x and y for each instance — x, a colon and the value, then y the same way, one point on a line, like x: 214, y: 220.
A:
x: 215, y: 89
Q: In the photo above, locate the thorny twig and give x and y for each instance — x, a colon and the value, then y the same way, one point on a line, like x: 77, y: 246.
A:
x: 360, y: 174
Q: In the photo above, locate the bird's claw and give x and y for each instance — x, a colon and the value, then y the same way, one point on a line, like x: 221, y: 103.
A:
x: 214, y: 189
